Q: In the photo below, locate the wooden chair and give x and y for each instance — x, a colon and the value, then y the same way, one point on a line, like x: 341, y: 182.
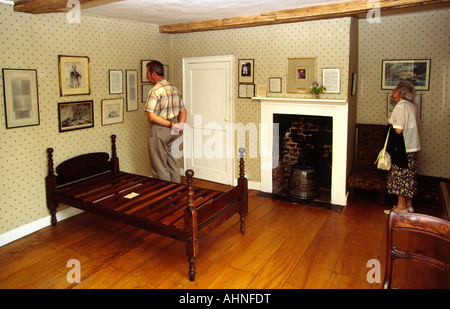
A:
x: 414, y: 223
x: 365, y: 175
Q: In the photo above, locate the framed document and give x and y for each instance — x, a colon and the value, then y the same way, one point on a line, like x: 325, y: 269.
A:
x: 275, y: 84
x: 21, y: 97
x: 132, y: 92
x: 115, y: 82
x: 331, y: 80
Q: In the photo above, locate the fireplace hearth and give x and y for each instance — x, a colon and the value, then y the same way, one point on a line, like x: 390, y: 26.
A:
x: 334, y: 111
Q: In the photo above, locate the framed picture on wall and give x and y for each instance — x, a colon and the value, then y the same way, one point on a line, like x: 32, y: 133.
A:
x: 115, y: 82
x: 331, y: 80
x: 112, y: 111
x: 21, y: 97
x: 132, y: 92
x: 144, y: 71
x: 301, y: 72
x: 390, y: 104
x: 74, y: 75
x: 275, y: 84
x: 75, y: 115
x: 416, y: 72
x: 246, y: 69
x: 145, y: 89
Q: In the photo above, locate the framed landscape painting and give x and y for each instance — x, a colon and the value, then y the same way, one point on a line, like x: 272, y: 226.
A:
x: 416, y: 72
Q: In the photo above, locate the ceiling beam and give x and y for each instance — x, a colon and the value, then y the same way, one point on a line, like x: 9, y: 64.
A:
x: 331, y: 10
x: 46, y: 6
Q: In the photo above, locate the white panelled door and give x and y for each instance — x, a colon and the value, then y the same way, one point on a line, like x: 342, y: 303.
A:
x: 208, y: 147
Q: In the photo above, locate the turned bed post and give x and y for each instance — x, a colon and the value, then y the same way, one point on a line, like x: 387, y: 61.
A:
x: 242, y: 181
x: 50, y: 185
x: 114, y: 158
x: 190, y: 221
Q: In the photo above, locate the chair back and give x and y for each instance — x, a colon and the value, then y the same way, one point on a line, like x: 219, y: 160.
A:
x: 415, y: 223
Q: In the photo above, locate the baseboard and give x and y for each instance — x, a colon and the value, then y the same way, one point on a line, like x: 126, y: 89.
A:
x: 35, y: 226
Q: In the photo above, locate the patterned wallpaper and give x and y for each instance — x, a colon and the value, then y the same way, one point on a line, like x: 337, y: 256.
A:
x: 411, y: 36
x: 35, y: 41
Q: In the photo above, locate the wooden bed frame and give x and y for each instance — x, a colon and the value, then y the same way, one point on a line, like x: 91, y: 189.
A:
x: 92, y: 182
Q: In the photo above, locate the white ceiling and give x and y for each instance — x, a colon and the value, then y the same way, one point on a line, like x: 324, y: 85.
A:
x: 166, y: 12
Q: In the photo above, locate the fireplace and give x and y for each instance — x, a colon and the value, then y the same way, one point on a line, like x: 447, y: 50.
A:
x: 305, y: 157
x: 335, y: 110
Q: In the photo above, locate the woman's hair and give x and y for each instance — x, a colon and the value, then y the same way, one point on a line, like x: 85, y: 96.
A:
x: 156, y: 66
x: 406, y: 90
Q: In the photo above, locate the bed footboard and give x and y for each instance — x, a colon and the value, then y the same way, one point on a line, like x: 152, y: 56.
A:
x: 205, y: 219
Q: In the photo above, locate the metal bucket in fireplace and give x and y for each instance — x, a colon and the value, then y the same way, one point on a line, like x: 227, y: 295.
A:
x: 303, y: 183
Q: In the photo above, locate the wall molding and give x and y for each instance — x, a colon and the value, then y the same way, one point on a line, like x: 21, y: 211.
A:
x: 35, y: 226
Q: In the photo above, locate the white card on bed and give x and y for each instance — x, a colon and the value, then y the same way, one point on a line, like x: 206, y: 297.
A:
x: 131, y: 195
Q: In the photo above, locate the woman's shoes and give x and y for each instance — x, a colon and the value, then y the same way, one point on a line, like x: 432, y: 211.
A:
x: 409, y: 209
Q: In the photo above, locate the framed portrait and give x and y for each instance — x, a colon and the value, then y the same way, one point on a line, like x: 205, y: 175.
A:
x: 390, y: 104
x: 75, y: 115
x: 301, y: 72
x: 416, y: 72
x: 331, y: 80
x: 132, y: 92
x: 275, y: 84
x: 20, y: 93
x: 74, y: 75
x: 246, y: 91
x: 145, y: 89
x: 246, y: 69
x: 115, y: 82
x: 112, y: 111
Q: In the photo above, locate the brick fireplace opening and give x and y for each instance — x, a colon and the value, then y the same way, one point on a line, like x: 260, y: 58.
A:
x: 305, y: 143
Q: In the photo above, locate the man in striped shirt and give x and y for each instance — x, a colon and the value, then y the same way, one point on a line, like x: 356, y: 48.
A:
x: 167, y: 115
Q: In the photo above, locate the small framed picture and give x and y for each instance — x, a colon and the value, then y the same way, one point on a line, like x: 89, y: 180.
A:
x: 132, y: 92
x: 74, y: 75
x: 115, y: 82
x: 145, y: 90
x: 246, y: 91
x: 275, y: 84
x: 301, y: 72
x: 20, y: 90
x: 246, y: 70
x: 144, y: 71
x: 75, y: 115
x: 112, y: 111
x: 390, y: 104
x: 416, y: 72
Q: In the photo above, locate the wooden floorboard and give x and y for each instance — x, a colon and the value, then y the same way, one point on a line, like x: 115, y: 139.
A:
x: 286, y: 246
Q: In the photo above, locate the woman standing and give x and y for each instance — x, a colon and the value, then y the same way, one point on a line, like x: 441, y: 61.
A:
x: 402, y: 181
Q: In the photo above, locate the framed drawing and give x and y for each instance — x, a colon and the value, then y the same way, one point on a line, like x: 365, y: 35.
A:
x: 132, y: 93
x: 20, y: 93
x: 301, y: 72
x: 246, y: 91
x: 275, y: 84
x: 112, y: 111
x: 73, y: 75
x: 145, y: 89
x: 331, y: 80
x: 416, y: 72
x: 115, y: 82
x: 75, y: 115
x: 390, y: 104
x: 246, y: 69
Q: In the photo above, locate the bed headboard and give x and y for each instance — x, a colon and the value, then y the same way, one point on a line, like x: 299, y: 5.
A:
x: 83, y: 166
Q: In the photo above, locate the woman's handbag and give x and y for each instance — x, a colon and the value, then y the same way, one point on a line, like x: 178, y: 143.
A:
x: 384, y: 161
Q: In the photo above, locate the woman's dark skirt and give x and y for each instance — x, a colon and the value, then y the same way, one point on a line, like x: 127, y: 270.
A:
x: 403, y: 181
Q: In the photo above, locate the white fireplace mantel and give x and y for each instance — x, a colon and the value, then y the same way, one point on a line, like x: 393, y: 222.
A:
x: 337, y: 109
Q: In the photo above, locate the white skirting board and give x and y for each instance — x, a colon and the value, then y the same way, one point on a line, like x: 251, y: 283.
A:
x: 35, y: 226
